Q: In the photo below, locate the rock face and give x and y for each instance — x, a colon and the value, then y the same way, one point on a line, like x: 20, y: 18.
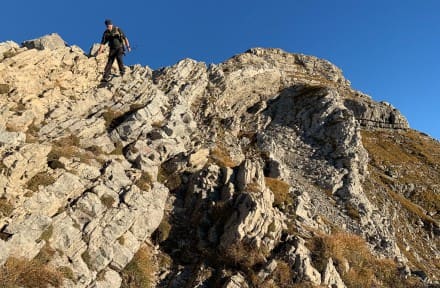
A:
x: 234, y: 171
x: 51, y: 42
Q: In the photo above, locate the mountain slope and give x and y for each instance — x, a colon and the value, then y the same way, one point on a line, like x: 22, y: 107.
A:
x: 267, y: 170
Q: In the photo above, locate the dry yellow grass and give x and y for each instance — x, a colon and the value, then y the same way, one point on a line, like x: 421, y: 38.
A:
x: 40, y: 179
x: 245, y: 254
x: 18, y: 272
x: 140, y: 271
x: 163, y: 231
x: 4, y: 88
x: 355, y: 263
x: 6, y: 207
x: 108, y: 201
x: 280, y: 191
x: 144, y: 182
x: 414, y: 160
x: 221, y: 156
x: 64, y: 147
x: 283, y: 275
x: 110, y: 116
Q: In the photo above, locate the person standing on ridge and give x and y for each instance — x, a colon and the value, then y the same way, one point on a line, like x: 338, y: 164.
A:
x: 117, y: 40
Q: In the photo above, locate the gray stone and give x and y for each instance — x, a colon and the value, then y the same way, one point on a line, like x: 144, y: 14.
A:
x: 52, y: 41
x: 66, y: 235
x: 254, y: 219
x: 8, y: 49
x: 11, y: 138
x: 331, y: 277
x: 302, y: 264
x: 124, y: 249
x: 236, y: 281
x: 111, y: 280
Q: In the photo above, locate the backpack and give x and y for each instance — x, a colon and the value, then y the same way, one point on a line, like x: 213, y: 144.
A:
x: 115, y: 34
x: 119, y: 34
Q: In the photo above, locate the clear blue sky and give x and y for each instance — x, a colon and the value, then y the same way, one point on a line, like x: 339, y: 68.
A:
x: 388, y: 49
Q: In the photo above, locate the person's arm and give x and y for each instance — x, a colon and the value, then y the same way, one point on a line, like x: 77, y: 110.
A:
x: 124, y: 38
x: 101, y: 47
x: 103, y: 41
x: 127, y: 44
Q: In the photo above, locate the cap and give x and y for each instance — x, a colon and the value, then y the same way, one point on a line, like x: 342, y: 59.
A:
x: 108, y: 22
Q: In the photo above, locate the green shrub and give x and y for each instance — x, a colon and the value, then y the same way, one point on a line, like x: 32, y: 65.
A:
x: 87, y: 259
x: 119, y: 149
x: 69, y: 147
x: 64, y: 147
x: 67, y: 272
x: 170, y: 179
x: 121, y: 240
x: 32, y: 133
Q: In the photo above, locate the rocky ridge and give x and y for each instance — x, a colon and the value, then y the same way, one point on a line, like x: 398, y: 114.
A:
x: 250, y: 163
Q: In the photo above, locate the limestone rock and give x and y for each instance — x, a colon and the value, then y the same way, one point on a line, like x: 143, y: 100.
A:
x: 236, y: 281
x: 301, y: 260
x: 111, y: 279
x: 25, y: 163
x: 376, y: 115
x: 198, y: 159
x: 181, y: 157
x: 12, y: 138
x: 51, y: 42
x: 254, y: 221
x: 8, y: 49
x: 331, y: 277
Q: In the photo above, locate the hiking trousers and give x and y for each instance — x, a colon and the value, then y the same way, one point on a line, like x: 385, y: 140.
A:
x: 117, y: 54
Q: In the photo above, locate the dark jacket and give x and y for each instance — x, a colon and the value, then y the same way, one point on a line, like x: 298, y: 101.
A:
x: 115, y: 38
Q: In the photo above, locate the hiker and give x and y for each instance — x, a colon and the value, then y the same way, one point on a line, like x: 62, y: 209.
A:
x: 117, y: 40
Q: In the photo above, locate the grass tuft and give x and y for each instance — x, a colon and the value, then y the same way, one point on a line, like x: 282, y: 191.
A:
x: 222, y: 157
x: 245, y: 254
x: 108, y: 201
x: 19, y: 272
x: 144, y: 182
x: 280, y: 191
x: 355, y: 263
x: 404, y: 173
x: 140, y: 271
x: 40, y: 179
x: 163, y: 231
x: 4, y: 88
x: 6, y: 207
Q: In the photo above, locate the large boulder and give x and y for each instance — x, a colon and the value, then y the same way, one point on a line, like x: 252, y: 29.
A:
x: 52, y: 41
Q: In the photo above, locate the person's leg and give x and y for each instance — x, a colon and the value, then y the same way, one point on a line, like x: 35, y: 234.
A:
x: 108, y: 66
x: 120, y: 60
